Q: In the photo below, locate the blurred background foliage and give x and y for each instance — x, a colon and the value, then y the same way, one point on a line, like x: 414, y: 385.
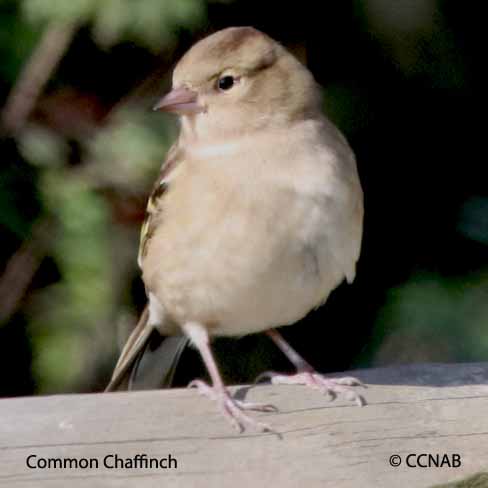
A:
x: 80, y: 148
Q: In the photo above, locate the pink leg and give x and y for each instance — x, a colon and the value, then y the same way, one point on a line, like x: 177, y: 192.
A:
x: 232, y: 409
x: 306, y: 374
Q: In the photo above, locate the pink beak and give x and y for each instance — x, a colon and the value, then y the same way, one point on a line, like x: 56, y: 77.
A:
x: 181, y: 101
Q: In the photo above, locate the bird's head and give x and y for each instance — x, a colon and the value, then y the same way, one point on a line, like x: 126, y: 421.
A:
x: 239, y: 80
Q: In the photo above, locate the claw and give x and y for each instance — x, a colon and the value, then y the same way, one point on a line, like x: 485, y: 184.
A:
x: 349, y: 381
x: 233, y: 410
x: 333, y: 387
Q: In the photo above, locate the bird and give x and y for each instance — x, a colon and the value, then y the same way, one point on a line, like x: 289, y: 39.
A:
x: 255, y: 217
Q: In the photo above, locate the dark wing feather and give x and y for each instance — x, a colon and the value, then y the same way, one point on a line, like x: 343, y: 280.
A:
x: 154, y: 205
x: 139, y: 365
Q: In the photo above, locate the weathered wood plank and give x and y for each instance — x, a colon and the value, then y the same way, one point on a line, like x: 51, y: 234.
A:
x: 434, y: 409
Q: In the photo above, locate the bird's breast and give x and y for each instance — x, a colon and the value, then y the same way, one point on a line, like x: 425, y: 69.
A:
x: 241, y: 251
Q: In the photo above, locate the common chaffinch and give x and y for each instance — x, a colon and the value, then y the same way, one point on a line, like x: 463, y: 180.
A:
x: 256, y: 216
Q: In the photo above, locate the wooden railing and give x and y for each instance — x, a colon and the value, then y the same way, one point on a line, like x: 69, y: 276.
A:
x: 431, y: 419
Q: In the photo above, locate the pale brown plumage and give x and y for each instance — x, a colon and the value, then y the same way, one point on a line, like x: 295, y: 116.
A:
x: 155, y: 203
x: 257, y: 214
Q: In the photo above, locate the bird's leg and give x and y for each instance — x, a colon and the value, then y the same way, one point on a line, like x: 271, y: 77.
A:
x: 306, y: 374
x: 231, y: 408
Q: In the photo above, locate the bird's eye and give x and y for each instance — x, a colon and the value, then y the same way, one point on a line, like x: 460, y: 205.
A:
x: 225, y: 83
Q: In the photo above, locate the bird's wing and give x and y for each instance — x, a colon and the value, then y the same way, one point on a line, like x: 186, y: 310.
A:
x: 355, y: 236
x: 154, y: 204
x: 136, y: 345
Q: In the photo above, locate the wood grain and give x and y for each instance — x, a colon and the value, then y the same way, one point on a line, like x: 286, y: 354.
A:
x: 433, y: 409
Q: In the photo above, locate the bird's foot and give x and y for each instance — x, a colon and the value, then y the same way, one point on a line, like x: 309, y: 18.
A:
x: 233, y: 409
x: 332, y: 387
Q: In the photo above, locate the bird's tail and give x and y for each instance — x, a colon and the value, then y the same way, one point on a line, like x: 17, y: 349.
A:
x: 148, y: 360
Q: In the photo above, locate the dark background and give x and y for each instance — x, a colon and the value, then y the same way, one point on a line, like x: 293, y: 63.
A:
x: 401, y: 80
